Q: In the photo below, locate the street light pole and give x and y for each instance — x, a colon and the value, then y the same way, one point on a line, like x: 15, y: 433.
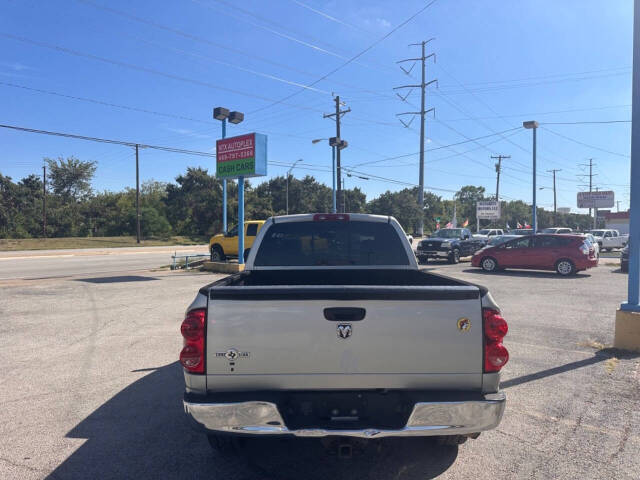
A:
x: 224, y: 184
x: 533, y: 125
x: 222, y: 114
x: 288, y: 174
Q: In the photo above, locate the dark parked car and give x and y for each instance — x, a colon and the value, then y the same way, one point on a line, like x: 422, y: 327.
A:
x: 624, y: 259
x: 566, y: 254
x: 449, y: 244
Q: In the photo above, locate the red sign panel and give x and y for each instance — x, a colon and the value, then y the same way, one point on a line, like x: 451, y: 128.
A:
x: 236, y: 148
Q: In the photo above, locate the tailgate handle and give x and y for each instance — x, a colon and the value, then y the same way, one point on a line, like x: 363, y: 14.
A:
x: 344, y: 314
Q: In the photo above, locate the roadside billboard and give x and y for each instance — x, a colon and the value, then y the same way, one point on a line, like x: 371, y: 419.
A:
x: 602, y: 199
x: 241, y: 156
x: 488, y: 210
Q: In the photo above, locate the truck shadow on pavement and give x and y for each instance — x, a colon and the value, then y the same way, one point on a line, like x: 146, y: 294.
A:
x: 600, y: 356
x: 142, y: 432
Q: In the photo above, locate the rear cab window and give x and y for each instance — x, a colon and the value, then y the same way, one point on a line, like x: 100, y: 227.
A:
x: 331, y: 243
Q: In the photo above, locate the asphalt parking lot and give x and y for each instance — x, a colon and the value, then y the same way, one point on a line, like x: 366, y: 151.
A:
x: 91, y: 388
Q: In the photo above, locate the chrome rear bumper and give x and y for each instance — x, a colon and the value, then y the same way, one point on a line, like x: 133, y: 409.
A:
x: 426, y: 419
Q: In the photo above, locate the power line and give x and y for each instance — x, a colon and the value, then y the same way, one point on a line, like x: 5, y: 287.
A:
x: 107, y: 104
x: 146, y: 69
x: 438, y: 148
x: 586, y: 144
x: 329, y: 17
x: 206, y: 41
x: 586, y: 122
x: 350, y: 60
x: 110, y: 141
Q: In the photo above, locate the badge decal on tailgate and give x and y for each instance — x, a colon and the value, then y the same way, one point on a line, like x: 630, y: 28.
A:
x: 232, y: 354
x: 464, y: 324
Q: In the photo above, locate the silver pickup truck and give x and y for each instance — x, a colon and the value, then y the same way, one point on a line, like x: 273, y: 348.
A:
x: 332, y: 330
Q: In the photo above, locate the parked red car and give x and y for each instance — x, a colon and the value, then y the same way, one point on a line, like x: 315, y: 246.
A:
x: 566, y: 254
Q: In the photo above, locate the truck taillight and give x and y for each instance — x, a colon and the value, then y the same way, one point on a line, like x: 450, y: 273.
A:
x: 193, y: 332
x: 496, y: 355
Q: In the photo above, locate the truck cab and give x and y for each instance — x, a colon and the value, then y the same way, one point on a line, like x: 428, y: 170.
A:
x: 224, y: 245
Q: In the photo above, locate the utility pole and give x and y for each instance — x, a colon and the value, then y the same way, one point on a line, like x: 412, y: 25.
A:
x: 498, y: 169
x: 338, y: 115
x: 423, y: 89
x: 137, y: 198
x: 44, y: 201
x: 591, y: 175
x: 555, y: 207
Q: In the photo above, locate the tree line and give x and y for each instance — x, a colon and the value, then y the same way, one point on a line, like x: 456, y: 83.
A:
x: 192, y: 205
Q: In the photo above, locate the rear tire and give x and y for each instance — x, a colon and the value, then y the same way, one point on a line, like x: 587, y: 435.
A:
x: 565, y: 267
x: 489, y: 264
x: 454, y: 256
x: 452, y: 440
x: 217, y: 255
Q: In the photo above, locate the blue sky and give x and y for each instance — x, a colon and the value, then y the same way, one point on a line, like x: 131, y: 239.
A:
x: 498, y: 63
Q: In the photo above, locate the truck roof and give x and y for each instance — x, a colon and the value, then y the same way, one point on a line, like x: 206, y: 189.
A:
x: 306, y: 217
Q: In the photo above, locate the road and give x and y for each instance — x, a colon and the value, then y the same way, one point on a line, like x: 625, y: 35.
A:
x: 37, y: 264
x: 91, y: 388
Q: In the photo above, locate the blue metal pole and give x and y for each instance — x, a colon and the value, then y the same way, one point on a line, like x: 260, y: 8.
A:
x: 534, y: 217
x: 240, y: 220
x: 633, y: 301
x: 333, y: 166
x: 224, y: 185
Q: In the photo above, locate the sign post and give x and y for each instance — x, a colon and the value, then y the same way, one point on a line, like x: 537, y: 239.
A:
x: 240, y: 157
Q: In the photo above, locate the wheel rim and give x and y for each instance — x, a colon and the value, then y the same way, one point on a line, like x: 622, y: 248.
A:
x: 456, y: 256
x: 215, y: 255
x: 488, y: 264
x: 565, y: 267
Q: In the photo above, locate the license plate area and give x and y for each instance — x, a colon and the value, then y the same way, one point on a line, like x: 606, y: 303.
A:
x: 346, y: 410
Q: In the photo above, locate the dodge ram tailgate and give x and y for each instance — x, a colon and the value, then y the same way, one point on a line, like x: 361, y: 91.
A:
x: 348, y: 336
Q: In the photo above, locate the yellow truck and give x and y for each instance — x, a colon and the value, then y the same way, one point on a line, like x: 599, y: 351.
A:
x: 225, y: 245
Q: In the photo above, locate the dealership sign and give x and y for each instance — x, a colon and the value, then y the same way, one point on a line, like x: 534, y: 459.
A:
x: 488, y: 209
x: 241, y: 156
x: 604, y: 199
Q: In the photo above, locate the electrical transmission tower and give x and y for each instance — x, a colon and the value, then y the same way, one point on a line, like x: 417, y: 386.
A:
x: 339, y: 144
x: 423, y: 89
x: 498, y: 170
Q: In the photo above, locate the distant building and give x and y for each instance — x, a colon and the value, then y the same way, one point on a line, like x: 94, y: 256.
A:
x: 564, y: 210
x: 617, y: 221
